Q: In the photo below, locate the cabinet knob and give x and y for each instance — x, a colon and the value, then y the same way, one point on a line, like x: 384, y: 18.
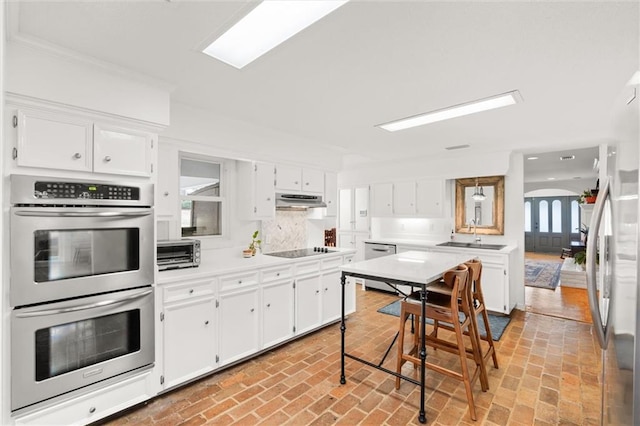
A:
x: 295, y: 183
x: 306, y: 183
x: 166, y: 193
x: 77, y: 155
x: 268, y: 305
x: 107, y: 159
x: 317, y: 291
x: 190, y: 291
x: 92, y: 410
x: 239, y: 281
x: 269, y: 199
x: 277, y: 274
x: 206, y: 322
x: 252, y: 309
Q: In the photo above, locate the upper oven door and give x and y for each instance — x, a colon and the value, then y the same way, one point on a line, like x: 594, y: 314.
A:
x: 59, y: 253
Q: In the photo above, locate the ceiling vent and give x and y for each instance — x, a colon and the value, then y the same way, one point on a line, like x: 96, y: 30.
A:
x: 568, y: 157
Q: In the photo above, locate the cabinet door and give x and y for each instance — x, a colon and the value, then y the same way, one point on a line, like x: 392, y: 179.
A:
x: 239, y: 318
x: 345, y: 217
x: 430, y: 198
x: 189, y: 340
x: 494, y: 287
x: 121, y: 151
x: 404, y: 198
x: 288, y: 178
x: 167, y: 203
x: 54, y: 141
x: 312, y: 181
x: 331, y: 194
x: 277, y: 313
x: 308, y: 313
x: 331, y: 296
x: 265, y: 193
x: 361, y: 209
x: 382, y: 195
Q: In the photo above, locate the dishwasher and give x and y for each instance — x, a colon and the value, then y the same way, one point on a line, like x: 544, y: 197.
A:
x: 375, y: 250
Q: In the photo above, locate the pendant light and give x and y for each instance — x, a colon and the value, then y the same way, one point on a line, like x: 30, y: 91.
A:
x: 478, y: 195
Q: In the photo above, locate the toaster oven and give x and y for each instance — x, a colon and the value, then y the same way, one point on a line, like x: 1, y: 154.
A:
x: 174, y: 254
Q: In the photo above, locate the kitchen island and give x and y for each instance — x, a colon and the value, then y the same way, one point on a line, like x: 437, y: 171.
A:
x: 413, y: 268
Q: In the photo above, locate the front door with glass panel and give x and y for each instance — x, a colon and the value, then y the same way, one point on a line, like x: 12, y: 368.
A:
x: 551, y: 223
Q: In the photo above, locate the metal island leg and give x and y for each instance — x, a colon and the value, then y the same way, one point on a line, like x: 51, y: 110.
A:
x: 343, y: 328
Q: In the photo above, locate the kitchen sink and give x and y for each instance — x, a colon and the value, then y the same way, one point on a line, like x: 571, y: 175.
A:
x: 472, y: 245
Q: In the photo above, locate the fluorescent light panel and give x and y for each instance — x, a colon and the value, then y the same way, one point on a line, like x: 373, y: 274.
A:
x: 265, y: 27
x: 493, y: 102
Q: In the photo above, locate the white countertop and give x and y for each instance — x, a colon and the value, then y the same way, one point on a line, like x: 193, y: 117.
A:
x: 225, y: 261
x: 433, y: 244
x: 412, y: 266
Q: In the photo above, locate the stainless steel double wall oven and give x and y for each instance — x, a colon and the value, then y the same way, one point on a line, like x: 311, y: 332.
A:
x: 82, y: 270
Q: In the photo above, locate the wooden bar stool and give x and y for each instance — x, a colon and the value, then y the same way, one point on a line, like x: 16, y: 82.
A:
x: 441, y: 306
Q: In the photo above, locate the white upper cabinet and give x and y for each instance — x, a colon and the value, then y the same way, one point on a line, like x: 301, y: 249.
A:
x: 256, y: 190
x: 404, y: 198
x: 331, y: 193
x: 167, y: 188
x: 297, y: 179
x: 121, y: 151
x: 55, y: 140
x: 382, y: 199
x: 430, y: 197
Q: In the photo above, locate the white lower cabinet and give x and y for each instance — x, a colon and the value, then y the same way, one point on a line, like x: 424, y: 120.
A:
x: 92, y: 406
x: 239, y: 315
x: 495, y: 280
x: 189, y: 331
x: 277, y: 313
x: 307, y: 301
x: 331, y: 296
x: 190, y: 340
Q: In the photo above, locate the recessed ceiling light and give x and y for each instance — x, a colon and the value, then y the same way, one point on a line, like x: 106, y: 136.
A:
x: 265, y: 27
x: 551, y: 178
x: 567, y: 157
x: 457, y: 147
x: 532, y: 158
x: 492, y: 102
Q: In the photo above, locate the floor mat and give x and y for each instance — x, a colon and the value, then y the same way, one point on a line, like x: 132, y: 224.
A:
x: 497, y: 323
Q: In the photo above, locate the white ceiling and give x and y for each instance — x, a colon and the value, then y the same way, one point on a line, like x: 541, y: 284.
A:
x: 374, y: 61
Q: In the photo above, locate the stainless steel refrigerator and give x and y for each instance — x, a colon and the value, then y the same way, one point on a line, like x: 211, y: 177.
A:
x: 612, y: 265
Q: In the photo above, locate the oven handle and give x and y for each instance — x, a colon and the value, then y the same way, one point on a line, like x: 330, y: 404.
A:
x: 83, y: 307
x: 41, y: 213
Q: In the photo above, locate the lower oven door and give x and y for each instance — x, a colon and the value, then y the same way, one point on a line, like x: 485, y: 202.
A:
x: 60, y: 347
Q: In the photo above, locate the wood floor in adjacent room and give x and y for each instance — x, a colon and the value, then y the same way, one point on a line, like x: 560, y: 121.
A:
x: 548, y: 375
x: 563, y: 302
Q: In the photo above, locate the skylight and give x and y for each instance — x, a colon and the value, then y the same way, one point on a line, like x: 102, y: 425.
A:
x: 265, y: 27
x: 493, y: 102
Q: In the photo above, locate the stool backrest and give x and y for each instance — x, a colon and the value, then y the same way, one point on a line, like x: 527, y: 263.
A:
x: 475, y: 272
x: 457, y: 279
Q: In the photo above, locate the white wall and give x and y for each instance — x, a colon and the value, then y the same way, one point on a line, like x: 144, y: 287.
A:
x: 73, y: 80
x: 241, y: 140
x: 514, y: 223
x: 573, y: 186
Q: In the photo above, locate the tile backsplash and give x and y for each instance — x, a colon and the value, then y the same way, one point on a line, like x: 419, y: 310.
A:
x: 288, y: 231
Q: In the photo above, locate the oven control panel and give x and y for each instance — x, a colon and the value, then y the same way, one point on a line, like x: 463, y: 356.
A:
x: 84, y: 191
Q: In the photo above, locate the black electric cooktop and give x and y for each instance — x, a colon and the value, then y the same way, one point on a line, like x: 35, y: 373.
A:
x: 291, y: 254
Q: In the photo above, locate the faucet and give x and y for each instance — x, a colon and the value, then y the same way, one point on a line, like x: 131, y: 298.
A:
x: 476, y: 238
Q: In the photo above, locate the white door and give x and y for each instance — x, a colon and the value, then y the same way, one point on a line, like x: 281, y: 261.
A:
x: 121, y: 151
x: 54, y: 141
x: 331, y: 296
x: 239, y: 320
x: 265, y: 190
x: 277, y: 313
x: 189, y: 340
x: 308, y: 313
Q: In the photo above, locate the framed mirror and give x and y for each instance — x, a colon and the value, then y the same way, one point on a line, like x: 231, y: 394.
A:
x: 485, y: 210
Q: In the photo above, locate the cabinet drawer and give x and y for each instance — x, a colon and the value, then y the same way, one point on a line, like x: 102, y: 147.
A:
x: 307, y: 267
x: 176, y: 292
x: 93, y: 406
x: 349, y: 259
x: 242, y: 279
x: 334, y: 262
x: 273, y: 274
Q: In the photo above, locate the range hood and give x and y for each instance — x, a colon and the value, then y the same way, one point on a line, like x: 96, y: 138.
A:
x: 298, y: 201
